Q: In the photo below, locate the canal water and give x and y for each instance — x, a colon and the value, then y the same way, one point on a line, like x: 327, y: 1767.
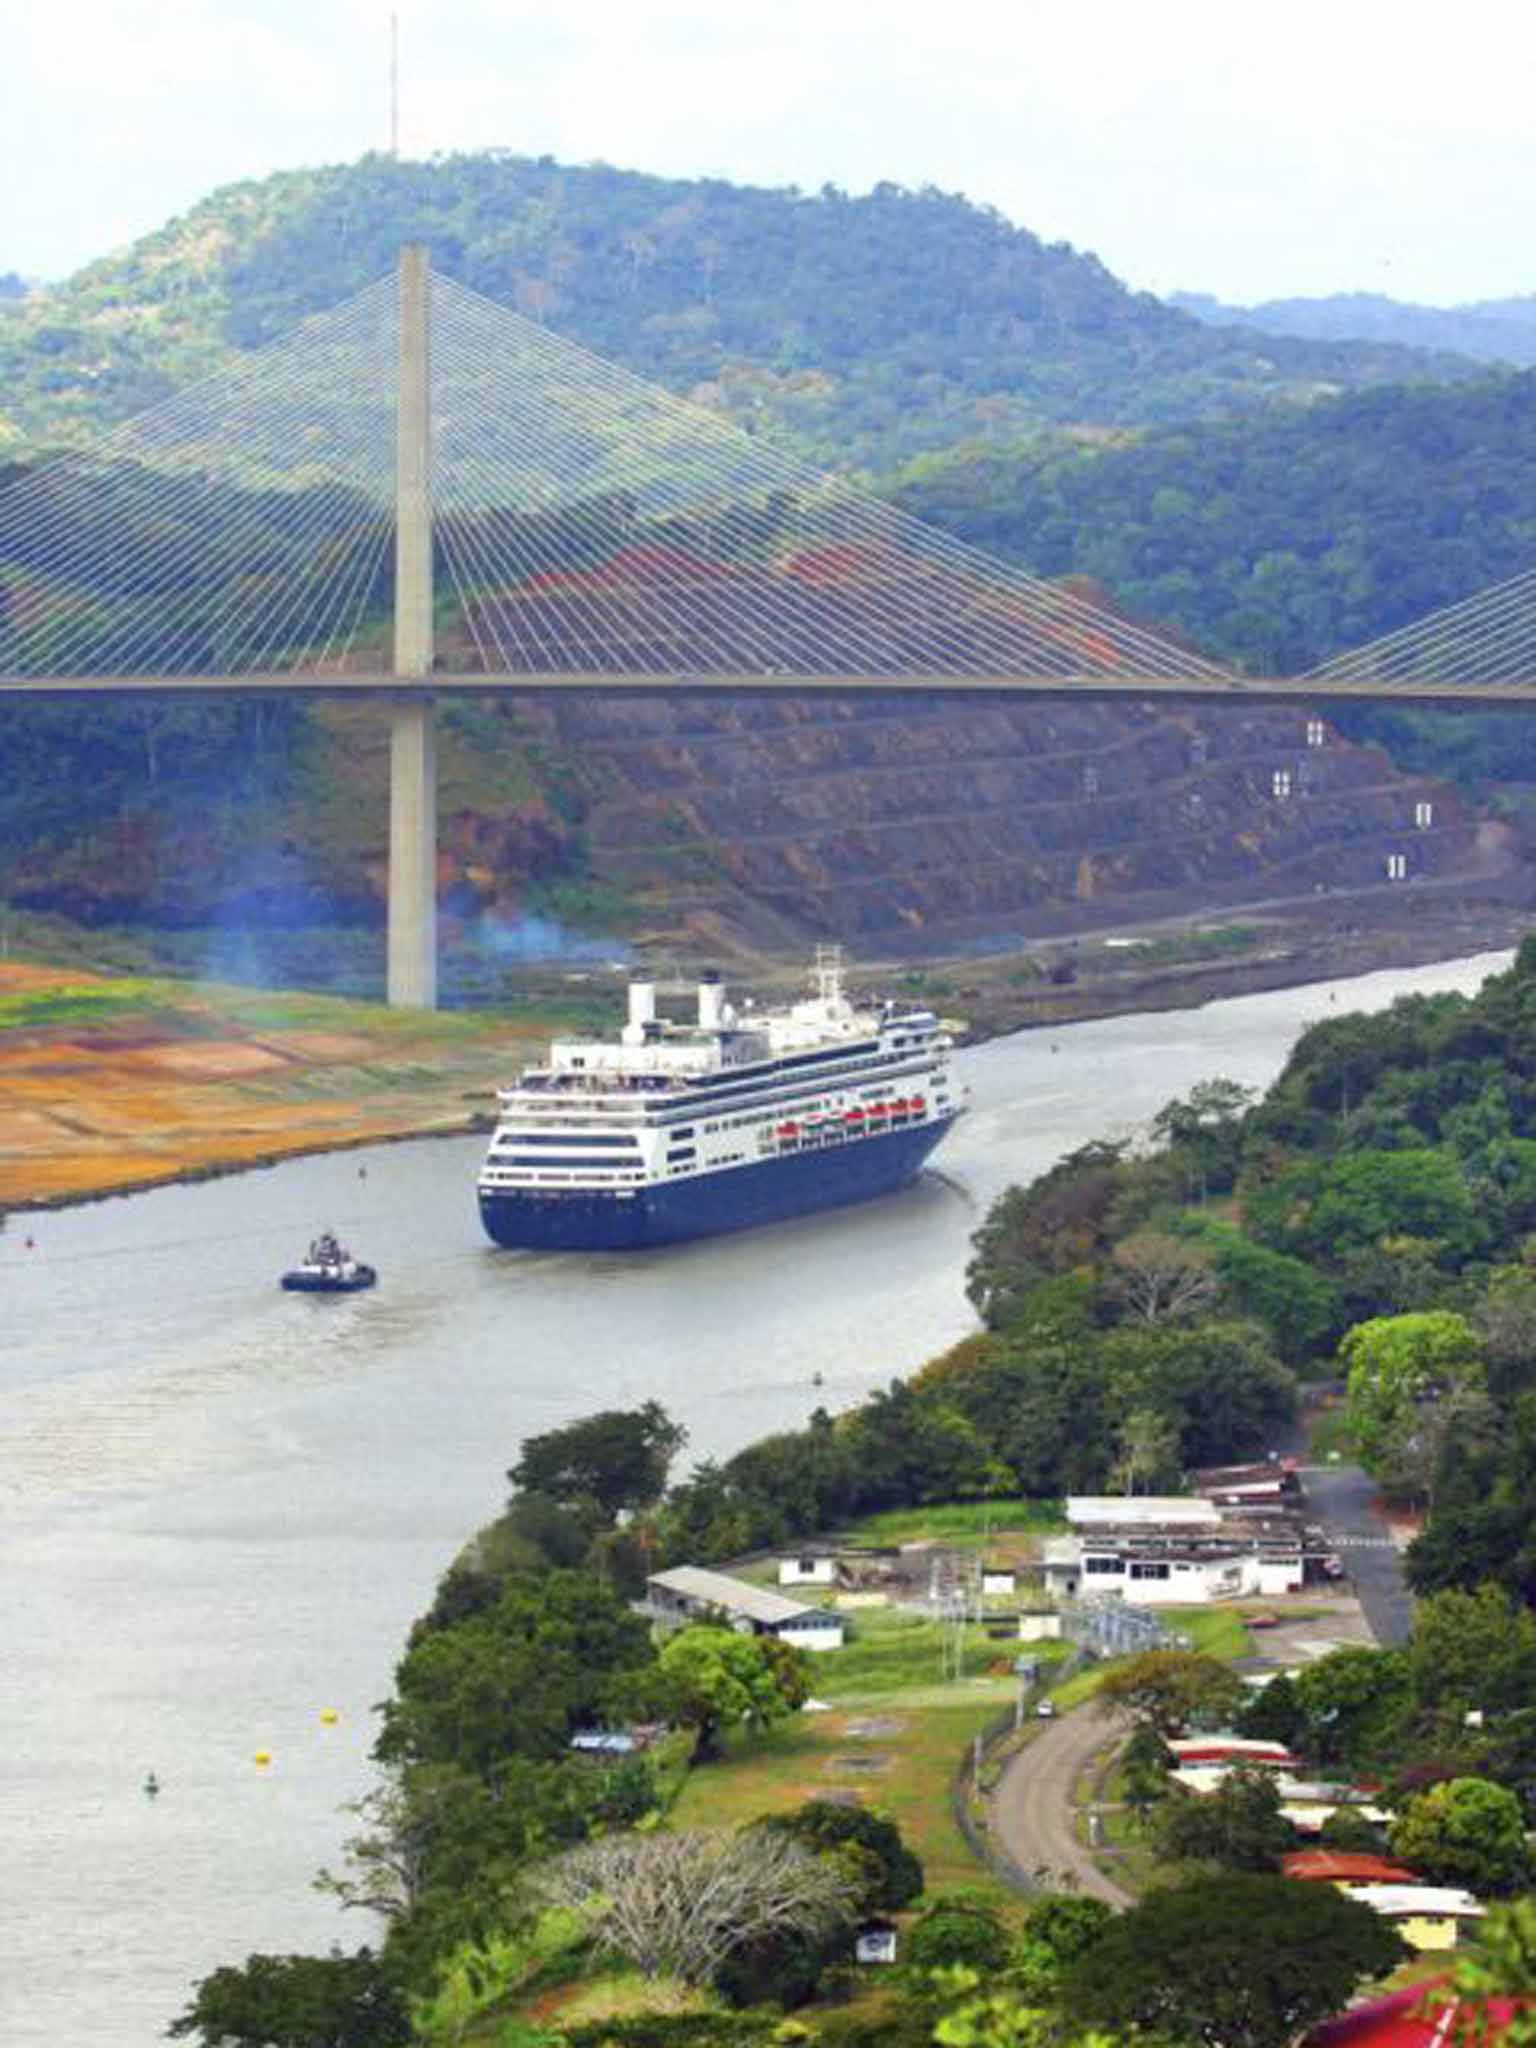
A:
x: 222, y: 1506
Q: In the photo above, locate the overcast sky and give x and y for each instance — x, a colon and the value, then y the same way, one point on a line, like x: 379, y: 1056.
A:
x: 1248, y: 150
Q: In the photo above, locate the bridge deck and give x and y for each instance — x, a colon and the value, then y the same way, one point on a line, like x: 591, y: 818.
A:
x: 1204, y: 688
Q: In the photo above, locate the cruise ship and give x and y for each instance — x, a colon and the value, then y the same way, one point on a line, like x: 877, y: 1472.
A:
x: 729, y: 1119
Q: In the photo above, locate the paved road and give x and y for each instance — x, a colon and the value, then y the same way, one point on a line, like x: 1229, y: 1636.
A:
x: 1340, y: 1497
x: 1032, y: 1806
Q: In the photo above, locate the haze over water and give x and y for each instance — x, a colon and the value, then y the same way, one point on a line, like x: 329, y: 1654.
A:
x: 223, y: 1506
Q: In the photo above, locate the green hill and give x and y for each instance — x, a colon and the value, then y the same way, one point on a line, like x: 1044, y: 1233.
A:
x: 1278, y: 542
x: 1490, y: 330
x: 865, y: 329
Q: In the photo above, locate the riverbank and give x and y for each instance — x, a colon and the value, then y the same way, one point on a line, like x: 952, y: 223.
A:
x: 113, y: 1084
x: 1180, y: 964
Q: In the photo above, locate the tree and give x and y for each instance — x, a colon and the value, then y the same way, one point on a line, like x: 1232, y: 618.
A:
x: 1506, y: 1323
x: 1464, y: 1831
x: 618, y: 1459
x: 1066, y: 1925
x: 1218, y: 1381
x: 1366, y: 1196
x: 1060, y: 1929
x: 1500, y: 1962
x: 436, y: 1828
x: 716, y: 1679
x: 1238, y: 1958
x: 958, y: 1932
x: 1042, y: 1406
x: 896, y: 1875
x: 515, y: 1678
x: 909, y: 1448
x: 1238, y: 1826
x: 1001, y: 2019
x: 1350, y: 1831
x: 1206, y: 1129
x: 678, y: 1904
x: 1293, y: 1300
x: 1167, y: 1689
x: 1471, y: 1543
x: 1430, y: 1441
x: 334, y: 2001
x: 1274, y: 1714
x: 1148, y: 1451
x: 1396, y: 1362
x: 1060, y: 1221
x: 1355, y: 1700
x: 1145, y: 1762
x: 1162, y: 1278
x: 1474, y: 1649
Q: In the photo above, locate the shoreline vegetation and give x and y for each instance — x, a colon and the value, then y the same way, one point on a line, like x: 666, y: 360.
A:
x: 117, y: 1084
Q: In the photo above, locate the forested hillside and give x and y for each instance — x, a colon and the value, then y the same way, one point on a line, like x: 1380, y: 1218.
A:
x: 1280, y: 541
x: 865, y: 329
x: 1490, y: 330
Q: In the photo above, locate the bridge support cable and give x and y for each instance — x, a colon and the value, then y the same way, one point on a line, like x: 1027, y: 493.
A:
x: 587, y: 523
x: 592, y: 521
x: 1484, y: 643
x: 234, y: 529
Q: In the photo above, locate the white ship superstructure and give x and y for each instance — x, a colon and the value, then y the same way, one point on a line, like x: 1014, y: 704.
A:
x: 679, y: 1130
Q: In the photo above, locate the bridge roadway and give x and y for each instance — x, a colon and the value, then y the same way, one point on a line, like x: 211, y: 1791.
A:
x: 1194, y: 688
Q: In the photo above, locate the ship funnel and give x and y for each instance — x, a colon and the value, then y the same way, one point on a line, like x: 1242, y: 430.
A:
x: 711, y: 1001
x: 642, y: 1009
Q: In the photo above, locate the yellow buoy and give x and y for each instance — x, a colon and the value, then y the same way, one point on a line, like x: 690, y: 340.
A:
x: 328, y: 1716
x: 262, y: 1757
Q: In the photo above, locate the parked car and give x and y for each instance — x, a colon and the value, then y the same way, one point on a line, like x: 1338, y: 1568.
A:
x: 1046, y: 1711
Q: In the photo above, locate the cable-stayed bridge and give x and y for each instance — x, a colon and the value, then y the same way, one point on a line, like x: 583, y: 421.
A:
x: 422, y: 492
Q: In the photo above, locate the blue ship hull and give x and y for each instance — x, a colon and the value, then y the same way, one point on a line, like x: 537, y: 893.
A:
x: 708, y: 1204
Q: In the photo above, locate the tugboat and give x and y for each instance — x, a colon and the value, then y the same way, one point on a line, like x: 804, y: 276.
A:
x: 328, y: 1268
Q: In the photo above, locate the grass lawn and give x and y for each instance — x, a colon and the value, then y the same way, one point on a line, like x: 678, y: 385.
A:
x: 891, y: 1671
x: 1215, y: 1631
x: 1131, y: 1860
x: 968, y: 1525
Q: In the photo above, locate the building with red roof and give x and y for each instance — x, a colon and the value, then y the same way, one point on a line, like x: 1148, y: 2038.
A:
x: 1339, y: 1866
x: 1423, y: 2016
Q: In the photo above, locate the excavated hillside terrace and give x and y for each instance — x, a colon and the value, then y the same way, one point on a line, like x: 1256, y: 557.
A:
x: 935, y: 821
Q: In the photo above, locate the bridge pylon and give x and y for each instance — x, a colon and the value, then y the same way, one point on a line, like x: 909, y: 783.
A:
x: 413, y: 748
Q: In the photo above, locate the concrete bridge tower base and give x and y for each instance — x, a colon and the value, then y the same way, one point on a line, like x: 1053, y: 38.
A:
x: 412, y: 856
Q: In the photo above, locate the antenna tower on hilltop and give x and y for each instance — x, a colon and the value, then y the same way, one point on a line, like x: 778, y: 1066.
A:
x: 394, y: 85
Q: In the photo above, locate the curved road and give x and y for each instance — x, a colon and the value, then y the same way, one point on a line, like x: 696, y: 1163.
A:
x: 1032, y: 1806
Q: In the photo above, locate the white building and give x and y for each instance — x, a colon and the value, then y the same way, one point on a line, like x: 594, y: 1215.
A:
x: 1173, y: 1568
x: 1040, y: 1625
x: 808, y: 1568
x: 1141, y: 1510
x: 689, y: 1593
x: 1428, y: 1917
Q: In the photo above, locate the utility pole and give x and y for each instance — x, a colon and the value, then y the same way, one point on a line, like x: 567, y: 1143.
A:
x: 412, y: 740
x: 394, y: 86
